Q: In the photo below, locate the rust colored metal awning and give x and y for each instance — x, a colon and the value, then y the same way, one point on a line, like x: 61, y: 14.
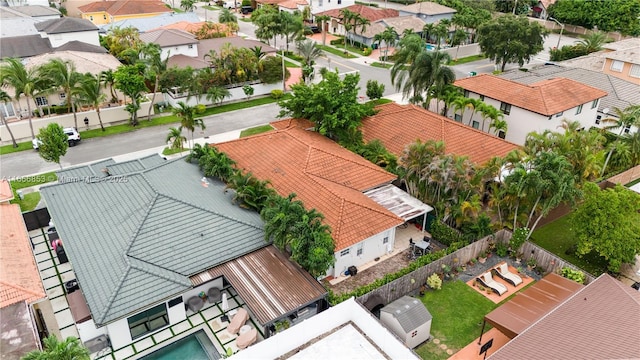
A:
x: 529, y: 306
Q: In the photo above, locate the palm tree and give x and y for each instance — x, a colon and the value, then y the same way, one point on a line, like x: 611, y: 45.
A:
x: 90, y: 92
x: 428, y: 30
x: 176, y: 138
x: 362, y: 22
x: 389, y: 36
x: 280, y: 216
x: 460, y: 103
x: 427, y: 74
x: 24, y: 82
x: 188, y: 5
x: 151, y: 56
x: 594, y: 41
x: 449, y: 94
x: 257, y: 51
x: 187, y: 116
x: 63, y: 74
x: 107, y: 78
x: 309, y: 51
x: 347, y: 17
x: 490, y: 112
x: 4, y: 97
x: 226, y: 16
x: 459, y: 37
x: 499, y: 125
x: 250, y: 193
x: 216, y: 94
x: 70, y: 348
x: 322, y: 19
x: 626, y: 118
x: 476, y: 105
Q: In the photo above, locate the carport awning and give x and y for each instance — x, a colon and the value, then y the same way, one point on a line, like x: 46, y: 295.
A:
x: 398, y: 201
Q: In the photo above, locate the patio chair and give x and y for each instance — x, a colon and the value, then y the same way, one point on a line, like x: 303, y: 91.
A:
x: 247, y: 338
x: 238, y: 320
x: 195, y: 303
x: 486, y: 280
x: 502, y: 270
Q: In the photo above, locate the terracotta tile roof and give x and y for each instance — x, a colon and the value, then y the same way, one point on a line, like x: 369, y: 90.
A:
x: 292, y: 4
x: 19, y: 276
x: 400, y: 125
x: 599, y: 322
x: 270, y: 2
x: 125, y: 7
x: 428, y: 8
x: 368, y: 12
x: 5, y: 191
x: 322, y: 174
x: 546, y: 97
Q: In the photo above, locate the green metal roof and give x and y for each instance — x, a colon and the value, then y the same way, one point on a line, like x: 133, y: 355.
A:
x: 135, y: 239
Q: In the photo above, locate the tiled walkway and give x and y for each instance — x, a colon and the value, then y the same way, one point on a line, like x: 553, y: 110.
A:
x: 54, y: 275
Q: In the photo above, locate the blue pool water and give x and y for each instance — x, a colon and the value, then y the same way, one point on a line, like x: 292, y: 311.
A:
x: 196, y: 346
x: 430, y: 47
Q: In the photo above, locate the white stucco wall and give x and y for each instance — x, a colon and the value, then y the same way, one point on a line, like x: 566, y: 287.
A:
x: 89, y: 37
x: 324, y: 5
x: 88, y: 330
x: 429, y: 19
x: 119, y: 333
x: 236, y: 94
x: 180, y: 50
x: 372, y: 248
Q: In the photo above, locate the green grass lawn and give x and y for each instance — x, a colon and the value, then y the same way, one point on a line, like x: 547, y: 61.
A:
x: 382, y: 65
x: 335, y: 51
x: 29, y: 181
x: 557, y: 238
x: 289, y: 64
x: 29, y: 202
x: 636, y: 181
x: 169, y: 151
x: 468, y: 59
x: 379, y: 101
x: 22, y: 146
x: 457, y: 312
x: 256, y: 130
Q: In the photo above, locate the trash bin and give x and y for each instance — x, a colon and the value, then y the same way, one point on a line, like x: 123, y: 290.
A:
x: 353, y: 270
x: 62, y: 255
x: 473, y: 73
x: 71, y: 286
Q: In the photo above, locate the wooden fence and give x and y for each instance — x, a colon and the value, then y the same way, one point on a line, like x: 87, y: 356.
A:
x: 549, y: 262
x: 625, y: 177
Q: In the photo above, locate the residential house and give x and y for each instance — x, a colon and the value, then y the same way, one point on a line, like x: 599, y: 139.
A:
x: 20, y: 20
x: 17, y: 3
x: 619, y: 59
x: 172, y: 42
x: 420, y: 124
x: 346, y: 331
x: 106, y: 12
x: 620, y: 93
x: 541, y: 9
x: 399, y: 24
x: 409, y: 319
x: 370, y: 13
x: 148, y: 238
x: 429, y: 12
x: 151, y: 23
x: 332, y: 180
x: 536, y: 107
x: 21, y: 290
x: 318, y: 6
x: 63, y: 30
x: 564, y: 331
x: 285, y: 5
x: 193, y: 28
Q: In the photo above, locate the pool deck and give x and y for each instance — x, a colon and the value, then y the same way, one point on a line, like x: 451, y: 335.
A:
x: 61, y: 323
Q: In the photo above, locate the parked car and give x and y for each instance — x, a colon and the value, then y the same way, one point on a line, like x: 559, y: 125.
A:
x: 73, y: 136
x: 315, y: 29
x: 246, y: 9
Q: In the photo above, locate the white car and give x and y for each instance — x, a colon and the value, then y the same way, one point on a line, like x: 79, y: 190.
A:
x: 73, y: 137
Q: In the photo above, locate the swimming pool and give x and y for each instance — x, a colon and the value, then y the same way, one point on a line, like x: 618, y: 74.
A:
x: 196, y: 346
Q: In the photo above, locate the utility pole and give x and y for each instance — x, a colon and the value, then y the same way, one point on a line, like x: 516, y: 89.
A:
x: 561, y: 30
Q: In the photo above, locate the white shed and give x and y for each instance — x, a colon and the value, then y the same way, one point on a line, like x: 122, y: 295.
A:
x: 409, y: 319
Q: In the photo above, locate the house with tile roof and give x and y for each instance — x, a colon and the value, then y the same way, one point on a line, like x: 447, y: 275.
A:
x: 194, y: 27
x: 534, y: 107
x: 172, y: 42
x: 599, y: 321
x: 106, y: 12
x: 620, y: 93
x: 147, y: 236
x: 151, y: 23
x: 429, y: 12
x: 21, y: 290
x: 370, y: 13
x: 332, y: 180
x: 421, y: 124
x: 400, y: 24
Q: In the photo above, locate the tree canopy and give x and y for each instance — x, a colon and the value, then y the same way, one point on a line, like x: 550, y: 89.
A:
x: 130, y: 81
x: 619, y: 15
x: 69, y: 348
x: 332, y: 105
x: 608, y: 222
x: 53, y: 143
x: 510, y: 39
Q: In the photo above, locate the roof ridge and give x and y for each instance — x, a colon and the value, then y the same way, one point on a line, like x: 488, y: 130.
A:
x: 158, y: 274
x: 114, y: 294
x: 367, y: 163
x: 144, y: 218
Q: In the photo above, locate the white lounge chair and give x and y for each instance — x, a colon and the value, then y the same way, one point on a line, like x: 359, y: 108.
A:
x: 502, y: 270
x: 486, y: 280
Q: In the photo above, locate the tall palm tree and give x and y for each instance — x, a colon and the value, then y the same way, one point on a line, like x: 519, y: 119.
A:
x: 216, y: 94
x: 389, y: 36
x: 280, y: 216
x: 427, y: 74
x: 4, y: 98
x: 361, y: 22
x: 63, y: 74
x: 458, y: 38
x: 428, y: 30
x: 460, y: 103
x: 226, y: 16
x: 90, y: 92
x: 626, y: 118
x: 69, y: 348
x: 176, y: 138
x: 594, y: 41
x: 490, y: 112
x: 309, y: 51
x: 499, y: 125
x: 24, y: 82
x: 107, y: 78
x: 187, y: 116
x: 347, y: 17
x: 322, y: 20
x: 151, y: 56
x: 476, y: 105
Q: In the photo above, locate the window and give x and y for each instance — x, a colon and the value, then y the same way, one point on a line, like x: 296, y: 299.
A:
x: 104, y: 17
x: 457, y: 117
x: 385, y: 240
x: 482, y: 97
x: 505, y: 108
x: 598, y: 119
x: 579, y: 109
x: 339, y: 2
x: 414, y: 333
x: 7, y: 109
x: 148, y: 321
x: 41, y: 101
x: 190, y: 46
x: 91, y: 18
x: 594, y: 103
x: 502, y: 134
x: 466, y: 93
x: 359, y: 249
x: 616, y: 65
x: 559, y: 114
x: 475, y: 125
x: 634, y: 71
x: 627, y: 129
x: 63, y: 96
x: 345, y: 252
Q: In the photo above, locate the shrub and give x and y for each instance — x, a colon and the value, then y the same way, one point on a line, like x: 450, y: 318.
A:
x: 434, y: 281
x: 337, y: 42
x: 367, y: 51
x: 375, y: 90
x: 501, y: 250
x: 277, y: 94
x: 518, y: 238
x: 200, y: 109
x: 575, y: 275
x: 443, y: 233
x: 567, y: 52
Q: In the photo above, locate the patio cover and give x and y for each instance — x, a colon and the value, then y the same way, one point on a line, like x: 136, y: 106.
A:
x: 398, y: 202
x: 529, y: 306
x: 270, y: 284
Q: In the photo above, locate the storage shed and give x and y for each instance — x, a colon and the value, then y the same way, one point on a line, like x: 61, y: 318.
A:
x: 409, y: 319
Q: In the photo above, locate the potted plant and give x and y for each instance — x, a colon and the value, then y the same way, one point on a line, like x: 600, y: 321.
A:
x: 447, y: 271
x: 482, y: 257
x: 531, y: 263
x: 522, y: 272
x: 519, y: 258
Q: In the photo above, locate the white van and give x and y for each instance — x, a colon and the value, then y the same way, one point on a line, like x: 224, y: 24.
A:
x: 73, y: 137
x: 231, y: 4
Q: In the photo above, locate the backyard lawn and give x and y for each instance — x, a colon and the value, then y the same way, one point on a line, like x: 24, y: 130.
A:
x: 557, y: 238
x: 457, y: 312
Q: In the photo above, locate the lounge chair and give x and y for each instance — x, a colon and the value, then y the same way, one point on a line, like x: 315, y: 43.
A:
x: 486, y: 280
x: 238, y: 320
x: 247, y: 338
x: 502, y: 270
